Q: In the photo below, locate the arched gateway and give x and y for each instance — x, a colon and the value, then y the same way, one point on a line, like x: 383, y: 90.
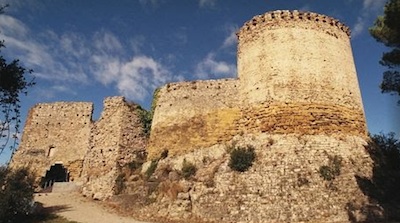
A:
x: 56, y: 173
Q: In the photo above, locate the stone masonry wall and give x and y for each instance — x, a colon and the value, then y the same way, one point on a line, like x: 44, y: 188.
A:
x: 301, y: 64
x: 55, y: 132
x: 194, y: 114
x: 116, y: 136
x: 302, y: 118
x: 296, y: 101
x: 283, y: 185
x: 296, y: 74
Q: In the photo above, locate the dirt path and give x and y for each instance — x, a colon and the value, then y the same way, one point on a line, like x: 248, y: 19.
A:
x: 74, y: 207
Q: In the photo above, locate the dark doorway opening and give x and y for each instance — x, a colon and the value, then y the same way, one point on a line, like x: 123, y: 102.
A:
x: 56, y: 173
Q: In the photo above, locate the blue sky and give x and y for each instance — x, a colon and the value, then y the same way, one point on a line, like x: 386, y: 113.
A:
x: 85, y: 50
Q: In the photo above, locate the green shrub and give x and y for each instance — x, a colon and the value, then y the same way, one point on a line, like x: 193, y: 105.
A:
x: 146, y: 118
x: 152, y: 168
x: 16, y: 195
x: 188, y: 169
x: 242, y: 158
x: 332, y: 170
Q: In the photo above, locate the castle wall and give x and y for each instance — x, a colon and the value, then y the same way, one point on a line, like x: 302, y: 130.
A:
x: 116, y: 136
x: 284, y: 183
x: 195, y: 114
x: 296, y: 102
x: 298, y: 76
x: 55, y: 132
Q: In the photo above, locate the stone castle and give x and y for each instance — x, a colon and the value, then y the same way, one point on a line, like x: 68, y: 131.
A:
x: 64, y: 133
x: 296, y: 74
x: 296, y: 100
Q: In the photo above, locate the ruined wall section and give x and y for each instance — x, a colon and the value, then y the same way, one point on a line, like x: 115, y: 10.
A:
x: 298, y: 76
x: 55, y: 132
x: 116, y: 137
x: 195, y: 114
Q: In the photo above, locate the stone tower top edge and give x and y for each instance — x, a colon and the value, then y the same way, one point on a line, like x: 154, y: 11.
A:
x: 278, y: 16
x: 63, y: 103
x: 112, y: 101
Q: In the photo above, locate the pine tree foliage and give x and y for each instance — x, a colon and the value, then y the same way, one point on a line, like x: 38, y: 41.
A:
x: 387, y: 31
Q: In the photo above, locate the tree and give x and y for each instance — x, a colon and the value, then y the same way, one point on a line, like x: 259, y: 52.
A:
x: 383, y: 187
x: 386, y: 30
x: 13, y: 83
x: 16, y: 195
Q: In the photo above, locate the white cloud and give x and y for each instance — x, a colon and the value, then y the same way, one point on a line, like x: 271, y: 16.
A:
x: 140, y: 74
x: 136, y: 78
x: 358, y: 28
x: 72, y: 44
x: 137, y: 43
x: 209, y: 67
x: 12, y: 26
x: 369, y: 8
x: 373, y: 4
x: 107, y: 42
x: 231, y: 39
x: 71, y: 59
x: 39, y: 54
x: 105, y: 68
x: 207, y: 3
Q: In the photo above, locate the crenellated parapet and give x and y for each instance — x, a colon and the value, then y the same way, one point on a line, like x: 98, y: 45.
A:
x: 286, y: 18
x: 279, y: 17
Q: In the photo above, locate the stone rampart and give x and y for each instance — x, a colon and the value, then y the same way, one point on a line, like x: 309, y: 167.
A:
x: 116, y: 136
x: 194, y: 114
x: 55, y: 132
x: 284, y: 183
x: 296, y: 74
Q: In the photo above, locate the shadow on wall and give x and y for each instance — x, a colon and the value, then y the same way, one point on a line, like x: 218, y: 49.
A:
x: 383, y: 189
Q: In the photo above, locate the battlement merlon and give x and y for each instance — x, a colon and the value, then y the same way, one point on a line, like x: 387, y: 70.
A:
x: 281, y: 18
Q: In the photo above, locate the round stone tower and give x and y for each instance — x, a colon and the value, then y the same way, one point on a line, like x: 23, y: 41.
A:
x: 297, y: 75
x: 296, y: 103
